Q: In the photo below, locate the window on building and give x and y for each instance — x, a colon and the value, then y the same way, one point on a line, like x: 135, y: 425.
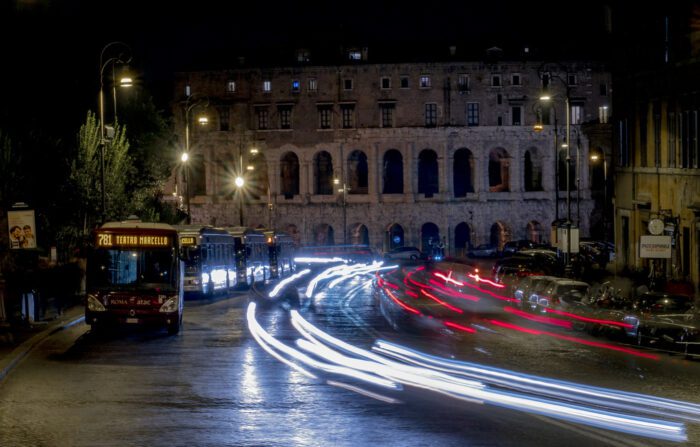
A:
x: 323, y: 173
x: 392, y: 174
x: 571, y: 79
x: 495, y: 80
x: 603, y: 114
x: 289, y: 175
x: 386, y: 111
x: 285, y: 114
x: 355, y: 55
x: 262, y: 118
x: 428, y: 173
x: 656, y: 111
x: 358, y: 173
x: 515, y: 79
x: 296, y: 86
x: 463, y: 172
x: 231, y: 86
x: 424, y: 81
x: 576, y: 114
x: 267, y: 86
x: 347, y: 84
x: 347, y: 113
x: 303, y: 55
x: 672, y: 129
x: 499, y: 170
x: 472, y: 114
x: 463, y: 83
x: 404, y: 81
x: 430, y: 115
x: 325, y: 114
x: 223, y: 119
x: 386, y: 83
x: 516, y: 114
x: 313, y: 84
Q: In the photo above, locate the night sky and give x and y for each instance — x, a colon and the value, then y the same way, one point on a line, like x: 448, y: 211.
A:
x: 51, y: 48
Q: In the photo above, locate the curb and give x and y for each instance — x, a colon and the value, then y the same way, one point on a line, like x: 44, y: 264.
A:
x: 8, y: 363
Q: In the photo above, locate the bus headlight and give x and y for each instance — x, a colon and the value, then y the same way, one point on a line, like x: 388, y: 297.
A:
x: 171, y: 305
x: 94, y: 305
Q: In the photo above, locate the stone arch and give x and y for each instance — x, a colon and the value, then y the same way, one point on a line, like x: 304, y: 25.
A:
x: 359, y: 234
x: 293, y: 231
x: 289, y: 175
x: 429, y: 236
x: 499, y: 170
x: 532, y: 172
x: 392, y: 172
x: 428, y: 172
x: 535, y: 232
x: 323, y: 173
x: 358, y: 173
x: 463, y: 172
x: 394, y: 237
x: 463, y: 239
x: 500, y: 234
x: 259, y: 180
x: 324, y: 235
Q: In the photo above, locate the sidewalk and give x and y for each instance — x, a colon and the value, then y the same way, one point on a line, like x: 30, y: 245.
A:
x: 16, y: 341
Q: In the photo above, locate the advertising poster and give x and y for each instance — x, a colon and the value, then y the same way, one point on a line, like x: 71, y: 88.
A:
x: 22, y: 229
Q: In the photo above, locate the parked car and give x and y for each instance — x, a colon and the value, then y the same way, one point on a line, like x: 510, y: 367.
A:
x: 663, y: 319
x: 512, y: 247
x: 528, y: 286
x: 483, y: 251
x: 404, y: 253
x: 564, y: 294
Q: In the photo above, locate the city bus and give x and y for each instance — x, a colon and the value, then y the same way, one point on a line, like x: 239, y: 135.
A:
x: 210, y: 262
x: 252, y: 256
x: 281, y: 252
x: 135, y: 276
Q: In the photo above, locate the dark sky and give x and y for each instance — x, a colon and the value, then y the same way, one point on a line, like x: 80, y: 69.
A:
x: 52, y: 47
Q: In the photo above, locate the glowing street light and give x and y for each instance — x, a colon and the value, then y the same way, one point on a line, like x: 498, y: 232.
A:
x: 191, y: 102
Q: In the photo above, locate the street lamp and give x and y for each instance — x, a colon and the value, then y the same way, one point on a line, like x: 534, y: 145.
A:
x: 240, y: 182
x: 568, y: 251
x: 123, y: 56
x: 191, y: 101
x: 595, y: 157
x: 344, y: 191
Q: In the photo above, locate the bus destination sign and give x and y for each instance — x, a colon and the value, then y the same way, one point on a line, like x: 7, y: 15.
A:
x: 132, y: 240
x: 187, y: 240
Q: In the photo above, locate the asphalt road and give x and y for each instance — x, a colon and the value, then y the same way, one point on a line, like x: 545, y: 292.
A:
x: 214, y: 385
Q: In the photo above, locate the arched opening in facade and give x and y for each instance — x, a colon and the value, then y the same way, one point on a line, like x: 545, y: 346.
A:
x: 532, y: 173
x: 324, y: 235
x: 535, y: 233
x: 429, y: 237
x: 293, y: 231
x: 463, y: 239
x: 394, y: 237
x: 289, y: 175
x: 197, y: 177
x: 500, y: 234
x: 392, y: 172
x: 463, y: 172
x: 359, y: 235
x: 428, y: 173
x: 358, y: 173
x: 499, y: 170
x: 259, y: 182
x: 323, y: 173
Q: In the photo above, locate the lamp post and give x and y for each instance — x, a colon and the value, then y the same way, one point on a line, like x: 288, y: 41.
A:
x: 240, y: 183
x: 123, y: 56
x: 191, y: 101
x: 344, y: 192
x: 567, y: 145
x: 594, y: 158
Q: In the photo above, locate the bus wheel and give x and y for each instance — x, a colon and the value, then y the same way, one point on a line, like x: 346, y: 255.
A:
x: 174, y: 328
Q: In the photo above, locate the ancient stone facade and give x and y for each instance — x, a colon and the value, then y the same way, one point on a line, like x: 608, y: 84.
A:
x: 390, y: 154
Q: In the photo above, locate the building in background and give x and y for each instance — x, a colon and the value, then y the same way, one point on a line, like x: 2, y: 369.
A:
x: 657, y: 162
x: 391, y: 154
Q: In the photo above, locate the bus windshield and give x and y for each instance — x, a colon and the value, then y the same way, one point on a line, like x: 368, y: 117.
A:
x: 192, y: 256
x: 133, y: 268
